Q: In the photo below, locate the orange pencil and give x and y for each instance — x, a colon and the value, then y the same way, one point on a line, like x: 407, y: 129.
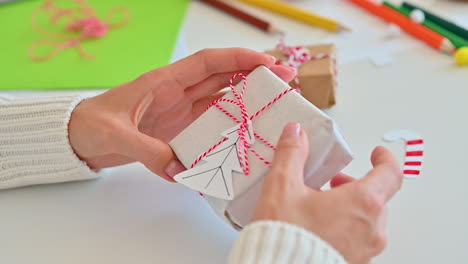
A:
x: 432, y: 38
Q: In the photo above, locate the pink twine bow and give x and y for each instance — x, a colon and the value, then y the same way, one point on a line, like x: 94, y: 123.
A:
x: 298, y: 56
x: 90, y: 27
x: 81, y: 19
x: 244, y: 145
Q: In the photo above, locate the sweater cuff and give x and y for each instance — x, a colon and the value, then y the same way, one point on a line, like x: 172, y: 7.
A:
x: 278, y: 242
x: 34, y: 143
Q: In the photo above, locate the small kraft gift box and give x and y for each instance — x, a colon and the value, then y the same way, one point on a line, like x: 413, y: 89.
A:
x: 316, y: 75
x: 228, y: 150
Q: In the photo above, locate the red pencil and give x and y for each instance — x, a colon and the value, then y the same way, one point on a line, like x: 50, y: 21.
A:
x: 248, y: 18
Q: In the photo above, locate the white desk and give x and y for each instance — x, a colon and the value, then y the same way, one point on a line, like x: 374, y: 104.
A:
x: 131, y: 216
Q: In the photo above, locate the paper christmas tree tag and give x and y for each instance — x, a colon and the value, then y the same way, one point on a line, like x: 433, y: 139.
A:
x: 214, y: 177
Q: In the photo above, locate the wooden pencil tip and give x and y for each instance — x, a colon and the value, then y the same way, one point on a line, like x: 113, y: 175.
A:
x: 344, y: 28
x: 275, y: 30
x: 447, y: 46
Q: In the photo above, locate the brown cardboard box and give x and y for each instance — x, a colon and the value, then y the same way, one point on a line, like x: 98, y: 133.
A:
x: 317, y: 77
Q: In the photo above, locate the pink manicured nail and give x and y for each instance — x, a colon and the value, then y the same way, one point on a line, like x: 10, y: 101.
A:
x: 292, y: 129
x: 273, y: 59
x: 175, y: 167
x: 290, y: 69
x: 293, y: 70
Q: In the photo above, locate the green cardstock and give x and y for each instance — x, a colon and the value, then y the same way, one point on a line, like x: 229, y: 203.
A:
x: 145, y: 43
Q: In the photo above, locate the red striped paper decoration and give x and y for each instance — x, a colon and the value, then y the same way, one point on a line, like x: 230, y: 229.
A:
x: 414, y: 151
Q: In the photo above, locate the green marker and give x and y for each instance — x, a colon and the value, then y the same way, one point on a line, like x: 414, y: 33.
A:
x: 456, y: 40
x: 450, y: 26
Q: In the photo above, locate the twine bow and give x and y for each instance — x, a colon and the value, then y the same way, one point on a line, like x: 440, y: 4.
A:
x: 81, y: 19
x: 244, y: 145
x: 298, y: 56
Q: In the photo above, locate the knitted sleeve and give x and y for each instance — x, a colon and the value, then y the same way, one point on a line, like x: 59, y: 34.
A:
x: 34, y: 144
x: 277, y: 243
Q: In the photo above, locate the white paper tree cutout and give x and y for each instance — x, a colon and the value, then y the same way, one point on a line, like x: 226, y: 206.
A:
x: 214, y: 176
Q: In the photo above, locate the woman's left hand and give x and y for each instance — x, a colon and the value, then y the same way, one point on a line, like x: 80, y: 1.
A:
x: 136, y: 120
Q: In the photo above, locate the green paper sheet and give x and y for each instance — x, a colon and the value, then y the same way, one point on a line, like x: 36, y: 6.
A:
x: 146, y: 43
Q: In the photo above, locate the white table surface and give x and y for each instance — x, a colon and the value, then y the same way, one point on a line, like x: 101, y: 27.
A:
x: 131, y: 216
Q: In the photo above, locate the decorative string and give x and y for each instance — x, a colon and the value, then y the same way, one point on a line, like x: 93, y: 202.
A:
x: 81, y: 19
x: 298, y: 56
x: 244, y: 145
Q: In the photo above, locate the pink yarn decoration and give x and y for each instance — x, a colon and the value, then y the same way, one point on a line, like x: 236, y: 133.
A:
x: 90, y: 27
x: 81, y: 20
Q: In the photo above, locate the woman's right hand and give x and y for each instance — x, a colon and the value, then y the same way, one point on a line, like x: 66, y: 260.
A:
x: 351, y: 216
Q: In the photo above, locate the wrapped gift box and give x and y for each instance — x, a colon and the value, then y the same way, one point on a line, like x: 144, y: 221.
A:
x: 329, y: 152
x: 317, y: 76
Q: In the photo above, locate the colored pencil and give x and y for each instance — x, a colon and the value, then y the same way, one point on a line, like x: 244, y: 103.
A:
x: 457, y: 41
x: 432, y: 38
x: 451, y: 26
x: 248, y: 18
x: 297, y: 13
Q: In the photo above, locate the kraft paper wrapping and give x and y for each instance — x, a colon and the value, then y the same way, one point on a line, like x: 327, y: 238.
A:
x: 317, y: 77
x: 329, y: 153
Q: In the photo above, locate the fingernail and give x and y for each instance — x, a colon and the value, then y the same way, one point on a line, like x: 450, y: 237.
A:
x: 174, y: 167
x: 292, y: 129
x: 273, y: 59
x: 290, y: 69
x: 293, y: 70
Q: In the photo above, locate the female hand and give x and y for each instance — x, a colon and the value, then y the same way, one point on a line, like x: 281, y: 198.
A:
x: 351, y: 216
x: 136, y: 120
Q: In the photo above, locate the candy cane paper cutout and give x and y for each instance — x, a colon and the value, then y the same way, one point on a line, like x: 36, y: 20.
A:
x: 414, y: 151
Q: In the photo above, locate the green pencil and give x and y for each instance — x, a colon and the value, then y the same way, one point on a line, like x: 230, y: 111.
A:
x: 457, y: 41
x: 440, y: 21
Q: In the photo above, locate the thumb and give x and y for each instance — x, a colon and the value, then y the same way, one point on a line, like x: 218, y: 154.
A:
x: 156, y: 155
x: 386, y: 177
x: 290, y: 156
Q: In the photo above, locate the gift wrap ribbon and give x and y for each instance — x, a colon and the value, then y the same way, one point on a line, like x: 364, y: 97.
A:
x: 244, y: 145
x: 298, y: 56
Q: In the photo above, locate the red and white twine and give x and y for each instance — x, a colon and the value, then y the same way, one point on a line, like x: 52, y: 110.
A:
x: 243, y: 145
x: 299, y: 55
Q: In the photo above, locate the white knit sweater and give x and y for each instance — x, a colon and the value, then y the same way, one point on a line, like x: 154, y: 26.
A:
x: 34, y: 149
